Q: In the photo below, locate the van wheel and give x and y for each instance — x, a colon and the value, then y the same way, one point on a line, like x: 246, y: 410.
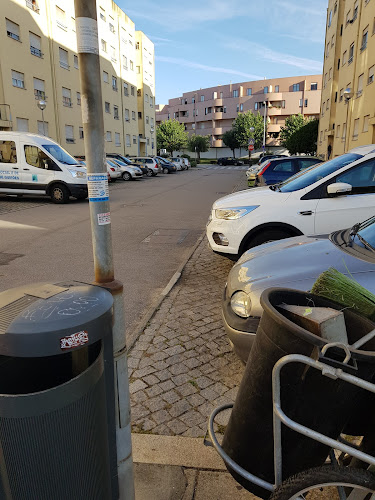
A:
x: 60, y: 193
x: 126, y: 176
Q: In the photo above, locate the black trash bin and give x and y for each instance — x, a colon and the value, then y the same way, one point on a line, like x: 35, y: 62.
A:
x: 318, y: 402
x: 57, y: 413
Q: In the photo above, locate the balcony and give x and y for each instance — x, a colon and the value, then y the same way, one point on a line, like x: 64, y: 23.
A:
x: 274, y: 96
x: 218, y: 102
x: 273, y: 127
x: 5, y: 117
x: 273, y: 111
x: 218, y: 115
x: 217, y: 143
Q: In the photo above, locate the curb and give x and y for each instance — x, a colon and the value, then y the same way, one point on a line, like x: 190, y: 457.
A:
x: 149, y: 314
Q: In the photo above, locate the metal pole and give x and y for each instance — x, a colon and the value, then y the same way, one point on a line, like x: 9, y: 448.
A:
x: 346, y: 143
x: 44, y: 129
x: 264, y: 126
x: 93, y: 125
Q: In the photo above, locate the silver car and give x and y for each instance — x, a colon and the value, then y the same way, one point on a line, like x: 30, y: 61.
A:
x: 292, y: 263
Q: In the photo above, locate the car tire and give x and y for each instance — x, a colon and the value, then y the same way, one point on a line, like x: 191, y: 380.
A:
x: 165, y: 170
x: 149, y: 173
x: 59, y: 194
x: 126, y: 176
x: 265, y: 237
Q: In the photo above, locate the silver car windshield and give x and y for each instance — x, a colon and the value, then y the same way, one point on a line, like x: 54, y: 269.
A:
x: 309, y: 176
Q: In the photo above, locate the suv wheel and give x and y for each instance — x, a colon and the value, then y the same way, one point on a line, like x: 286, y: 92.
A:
x: 267, y: 236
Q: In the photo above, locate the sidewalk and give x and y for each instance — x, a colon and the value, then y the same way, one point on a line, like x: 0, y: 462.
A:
x: 180, y: 368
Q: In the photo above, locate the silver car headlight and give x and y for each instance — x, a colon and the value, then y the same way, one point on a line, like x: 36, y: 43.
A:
x: 233, y: 213
x: 241, y: 304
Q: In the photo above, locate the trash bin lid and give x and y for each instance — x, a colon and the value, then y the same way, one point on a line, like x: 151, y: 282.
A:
x: 44, y: 319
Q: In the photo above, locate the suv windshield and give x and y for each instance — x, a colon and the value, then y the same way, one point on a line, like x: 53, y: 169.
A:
x: 59, y: 154
x: 310, y: 176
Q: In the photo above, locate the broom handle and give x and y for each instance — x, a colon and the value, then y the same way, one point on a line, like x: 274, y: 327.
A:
x: 363, y: 340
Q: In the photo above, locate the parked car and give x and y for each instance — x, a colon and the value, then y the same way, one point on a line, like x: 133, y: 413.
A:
x: 263, y: 158
x: 229, y: 161
x: 318, y: 200
x: 128, y: 172
x: 277, y: 170
x: 179, y: 162
x: 34, y: 164
x: 113, y: 171
x: 167, y: 166
x: 151, y: 164
x: 187, y: 163
x: 128, y: 161
x: 293, y: 263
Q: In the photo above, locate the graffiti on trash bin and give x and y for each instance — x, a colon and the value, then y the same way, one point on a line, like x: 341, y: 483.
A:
x: 75, y: 340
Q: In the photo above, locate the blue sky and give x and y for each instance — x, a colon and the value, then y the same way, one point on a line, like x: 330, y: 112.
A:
x: 203, y: 43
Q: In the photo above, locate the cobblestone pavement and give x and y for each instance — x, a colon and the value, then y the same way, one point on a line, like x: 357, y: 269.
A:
x: 182, y: 366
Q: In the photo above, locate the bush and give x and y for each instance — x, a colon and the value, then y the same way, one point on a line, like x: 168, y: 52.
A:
x: 193, y: 163
x: 186, y: 156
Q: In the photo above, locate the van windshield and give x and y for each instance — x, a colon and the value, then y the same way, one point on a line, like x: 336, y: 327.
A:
x: 59, y: 154
x: 313, y: 174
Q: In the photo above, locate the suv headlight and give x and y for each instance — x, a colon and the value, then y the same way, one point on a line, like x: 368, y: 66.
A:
x: 241, y: 304
x: 233, y: 213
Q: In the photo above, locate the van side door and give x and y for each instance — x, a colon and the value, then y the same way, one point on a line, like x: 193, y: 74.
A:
x: 10, y: 167
x: 38, y: 169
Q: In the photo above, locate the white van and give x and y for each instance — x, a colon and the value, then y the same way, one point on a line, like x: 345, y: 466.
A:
x: 34, y: 164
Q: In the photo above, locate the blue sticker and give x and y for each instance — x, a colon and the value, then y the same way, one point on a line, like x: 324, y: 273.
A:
x: 34, y: 178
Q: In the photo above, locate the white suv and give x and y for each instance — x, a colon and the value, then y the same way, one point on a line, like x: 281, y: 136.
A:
x: 150, y: 163
x: 179, y: 162
x: 327, y: 197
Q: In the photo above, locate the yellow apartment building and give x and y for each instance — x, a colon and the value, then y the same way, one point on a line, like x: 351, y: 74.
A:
x: 347, y: 115
x: 39, y: 61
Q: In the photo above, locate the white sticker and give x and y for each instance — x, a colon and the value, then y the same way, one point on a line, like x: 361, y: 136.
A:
x: 87, y: 35
x: 104, y: 219
x: 97, y: 185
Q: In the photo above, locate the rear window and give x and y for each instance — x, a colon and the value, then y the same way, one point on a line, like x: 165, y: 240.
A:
x: 308, y: 177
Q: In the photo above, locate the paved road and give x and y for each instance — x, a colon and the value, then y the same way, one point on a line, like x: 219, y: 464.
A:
x: 155, y: 222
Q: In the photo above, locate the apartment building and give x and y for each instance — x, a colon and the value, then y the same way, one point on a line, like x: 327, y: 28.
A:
x: 39, y: 61
x: 347, y: 105
x: 211, y: 111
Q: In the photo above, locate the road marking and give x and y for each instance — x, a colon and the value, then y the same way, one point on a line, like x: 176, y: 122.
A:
x: 13, y: 225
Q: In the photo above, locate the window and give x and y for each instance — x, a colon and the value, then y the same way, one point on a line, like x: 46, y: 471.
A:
x: 344, y: 57
x: 330, y: 18
x: 370, y: 75
x: 277, y: 88
x: 103, y: 45
x: 146, y: 98
x: 338, y: 131
x: 248, y: 91
x: 35, y: 45
x: 323, y: 108
x: 111, y: 28
x: 152, y: 122
x: 125, y: 62
x: 80, y: 133
x: 373, y: 27
x: 139, y: 115
x: 133, y: 115
x: 348, y: 17
x: 137, y: 46
x: 117, y: 139
x: 256, y: 106
x: 138, y: 68
x: 115, y: 113
x: 330, y: 74
x: 79, y: 98
x: 114, y: 83
x: 63, y: 58
x: 148, y: 140
x: 152, y: 101
x: 147, y: 120
x: 325, y: 81
x: 39, y: 91
x: 132, y: 90
x: 193, y: 100
x: 22, y: 125
x: 300, y: 103
x: 113, y: 54
x: 355, y: 128
x: 18, y: 79
x: 108, y: 136
x: 327, y: 108
x: 13, y: 30
x: 8, y: 152
x: 102, y: 14
x: 335, y: 8
x: 364, y: 39
x: 265, y: 90
x: 42, y: 128
x: 333, y: 41
x: 360, y: 85
x: 237, y: 109
x: 202, y: 98
x: 67, y: 98
x: 327, y: 50
x: 126, y: 89
x: 235, y: 93
x: 35, y: 156
x: 131, y: 65
x: 139, y: 93
x: 338, y: 63
x: 73, y: 23
x: 295, y: 87
x: 314, y: 86
x: 351, y: 53
x: 32, y: 4
x: 127, y: 139
x: 343, y: 137
x: 107, y: 107
x: 75, y: 61
x: 127, y: 119
x: 61, y: 19
x: 241, y: 107
x: 361, y: 178
x: 355, y: 11
x: 134, y: 139
x: 306, y: 103
x: 69, y: 134
x: 365, y: 123
x: 105, y: 77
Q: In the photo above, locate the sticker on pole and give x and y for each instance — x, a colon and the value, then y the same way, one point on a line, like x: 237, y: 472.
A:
x: 87, y: 35
x: 97, y: 185
x: 75, y: 340
x: 104, y: 219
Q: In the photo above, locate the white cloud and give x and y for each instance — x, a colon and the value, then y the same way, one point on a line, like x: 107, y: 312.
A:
x: 295, y: 8
x: 196, y: 65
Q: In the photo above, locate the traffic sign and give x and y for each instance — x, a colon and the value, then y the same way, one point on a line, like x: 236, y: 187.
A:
x: 251, y: 141
x: 251, y: 147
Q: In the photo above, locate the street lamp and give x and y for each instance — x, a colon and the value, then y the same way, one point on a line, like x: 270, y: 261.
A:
x: 252, y: 129
x: 264, y: 126
x: 348, y: 94
x: 42, y: 106
x: 152, y: 130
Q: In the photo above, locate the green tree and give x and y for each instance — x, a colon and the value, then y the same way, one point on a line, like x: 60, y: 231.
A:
x: 200, y: 144
x: 230, y: 140
x: 241, y: 128
x: 171, y: 135
x: 292, y: 123
x: 304, y: 139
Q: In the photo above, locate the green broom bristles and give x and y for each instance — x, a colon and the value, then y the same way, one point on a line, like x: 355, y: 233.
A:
x: 336, y: 286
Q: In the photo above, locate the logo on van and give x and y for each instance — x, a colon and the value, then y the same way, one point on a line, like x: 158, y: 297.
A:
x: 34, y: 178
x: 75, y: 340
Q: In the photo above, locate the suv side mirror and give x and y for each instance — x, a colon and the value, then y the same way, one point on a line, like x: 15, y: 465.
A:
x: 339, y: 188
